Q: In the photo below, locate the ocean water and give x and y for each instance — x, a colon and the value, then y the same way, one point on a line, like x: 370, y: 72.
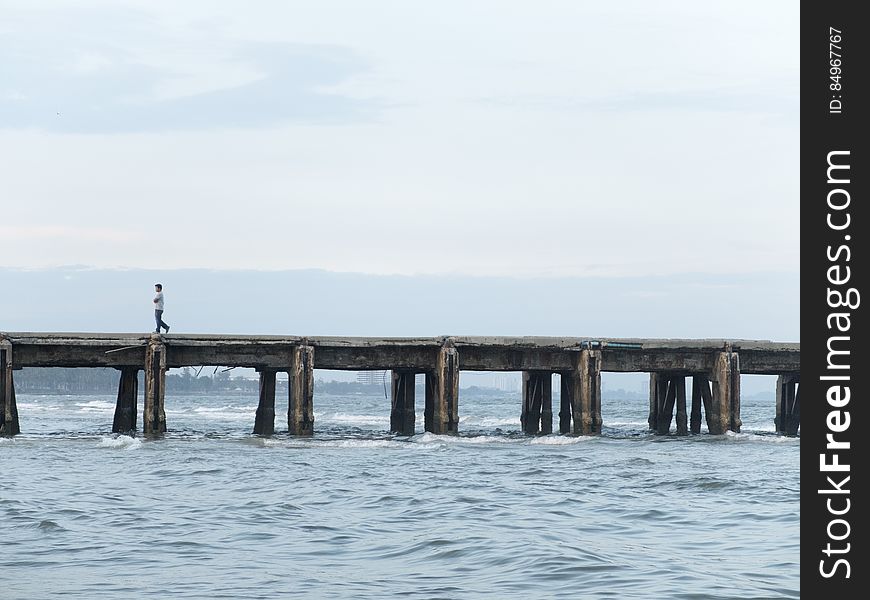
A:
x: 210, y: 511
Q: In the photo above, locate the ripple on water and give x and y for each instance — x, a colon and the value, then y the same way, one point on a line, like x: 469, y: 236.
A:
x: 210, y: 511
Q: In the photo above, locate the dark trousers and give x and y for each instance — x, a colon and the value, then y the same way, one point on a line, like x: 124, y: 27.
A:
x: 158, y: 317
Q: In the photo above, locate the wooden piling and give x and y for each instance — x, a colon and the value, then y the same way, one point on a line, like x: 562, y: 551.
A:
x: 586, y: 406
x: 154, y: 413
x: 787, y: 404
x: 707, y: 398
x: 726, y: 391
x: 402, y: 415
x: 126, y: 405
x: 547, y: 403
x: 537, y: 410
x: 300, y: 414
x: 695, y: 421
x: 264, y: 420
x: 778, y: 422
x: 736, y: 422
x: 9, y: 424
x: 795, y: 420
x: 567, y: 389
x: 595, y: 389
x: 666, y: 406
x: 682, y: 417
x: 653, y: 401
x: 442, y: 392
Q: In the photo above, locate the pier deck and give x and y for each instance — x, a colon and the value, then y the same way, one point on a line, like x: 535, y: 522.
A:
x: 713, y: 365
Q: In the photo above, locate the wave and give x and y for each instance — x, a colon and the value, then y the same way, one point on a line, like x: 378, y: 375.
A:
x: 121, y: 441
x: 771, y: 438
x: 96, y: 405
x: 489, y: 421
x: 561, y: 440
x: 353, y: 419
x: 432, y: 438
x: 311, y: 442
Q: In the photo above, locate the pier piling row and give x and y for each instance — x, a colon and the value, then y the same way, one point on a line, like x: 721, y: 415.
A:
x: 712, y: 366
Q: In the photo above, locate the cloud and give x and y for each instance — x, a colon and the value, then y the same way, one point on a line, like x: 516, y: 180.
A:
x: 141, y: 76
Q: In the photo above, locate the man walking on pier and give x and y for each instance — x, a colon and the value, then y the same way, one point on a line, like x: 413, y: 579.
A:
x: 158, y: 308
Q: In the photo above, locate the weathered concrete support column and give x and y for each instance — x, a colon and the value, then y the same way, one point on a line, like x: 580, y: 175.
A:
x: 547, y: 405
x: 725, y: 404
x: 736, y: 422
x: 682, y: 417
x: 695, y: 422
x: 586, y: 396
x: 788, y: 408
x: 264, y: 420
x: 707, y: 398
x: 653, y: 418
x: 565, y: 401
x: 595, y: 389
x: 537, y: 411
x: 125, y: 407
x: 441, y: 414
x: 667, y: 396
x: 300, y: 415
x: 402, y: 415
x: 9, y: 424
x: 154, y: 413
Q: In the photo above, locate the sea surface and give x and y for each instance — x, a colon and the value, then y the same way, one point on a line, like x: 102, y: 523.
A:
x: 210, y: 511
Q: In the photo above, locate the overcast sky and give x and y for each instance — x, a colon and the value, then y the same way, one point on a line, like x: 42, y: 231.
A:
x: 521, y: 138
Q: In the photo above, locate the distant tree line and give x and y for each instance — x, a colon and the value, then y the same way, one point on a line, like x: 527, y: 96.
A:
x: 57, y: 380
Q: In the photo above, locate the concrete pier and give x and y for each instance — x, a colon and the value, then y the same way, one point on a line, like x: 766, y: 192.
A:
x: 713, y: 366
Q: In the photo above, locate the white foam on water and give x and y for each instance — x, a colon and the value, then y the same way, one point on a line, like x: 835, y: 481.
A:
x: 329, y: 443
x: 96, y: 405
x: 560, y: 440
x: 353, y: 419
x: 5, y: 440
x: 770, y: 428
x: 225, y: 409
x: 431, y: 438
x: 490, y: 421
x: 37, y: 406
x: 755, y: 437
x: 122, y: 442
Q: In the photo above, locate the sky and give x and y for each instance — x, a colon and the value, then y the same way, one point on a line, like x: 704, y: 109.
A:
x: 471, y: 139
